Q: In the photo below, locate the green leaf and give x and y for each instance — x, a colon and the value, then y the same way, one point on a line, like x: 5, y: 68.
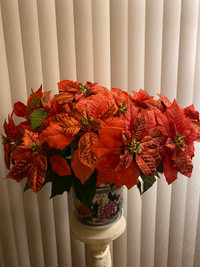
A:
x: 26, y: 187
x: 147, y: 182
x: 157, y: 174
x: 50, y: 176
x: 34, y: 102
x: 61, y: 184
x: 85, y: 193
x: 37, y: 117
x: 34, y: 94
x: 160, y: 168
x: 139, y: 186
x: 15, y: 146
x: 45, y: 100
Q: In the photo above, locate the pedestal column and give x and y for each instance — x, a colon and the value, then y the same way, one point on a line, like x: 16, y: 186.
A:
x: 98, y: 238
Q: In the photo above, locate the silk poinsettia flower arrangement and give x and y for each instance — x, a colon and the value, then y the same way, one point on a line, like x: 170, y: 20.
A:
x: 87, y: 135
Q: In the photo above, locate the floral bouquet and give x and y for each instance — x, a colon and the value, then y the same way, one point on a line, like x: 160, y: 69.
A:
x: 87, y: 135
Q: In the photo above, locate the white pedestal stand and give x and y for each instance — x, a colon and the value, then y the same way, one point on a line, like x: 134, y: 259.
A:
x: 98, y: 239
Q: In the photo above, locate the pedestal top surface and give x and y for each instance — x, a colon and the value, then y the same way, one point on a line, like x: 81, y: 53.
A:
x: 96, y: 235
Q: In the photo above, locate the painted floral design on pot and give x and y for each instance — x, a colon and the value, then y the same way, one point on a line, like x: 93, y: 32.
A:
x: 106, y: 206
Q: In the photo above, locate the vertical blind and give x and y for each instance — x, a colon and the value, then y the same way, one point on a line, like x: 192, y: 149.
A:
x: 129, y: 44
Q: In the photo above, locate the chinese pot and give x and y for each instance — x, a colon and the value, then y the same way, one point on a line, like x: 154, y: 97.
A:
x: 106, y: 206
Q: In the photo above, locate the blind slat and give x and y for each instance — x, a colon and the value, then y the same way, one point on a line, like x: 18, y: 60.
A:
x: 101, y: 41
x: 152, y: 78
x: 14, y: 52
x: 66, y: 39
x: 83, y: 40
x: 31, y: 44
x: 6, y: 223
x: 48, y: 44
x: 169, y: 68
x: 62, y: 230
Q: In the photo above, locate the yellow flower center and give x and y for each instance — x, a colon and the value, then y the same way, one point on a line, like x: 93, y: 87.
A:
x: 179, y: 140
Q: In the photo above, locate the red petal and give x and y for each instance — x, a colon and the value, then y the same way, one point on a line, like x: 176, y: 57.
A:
x: 130, y: 116
x: 69, y: 125
x: 146, y: 163
x: 7, y: 148
x: 39, y: 92
x: 20, y: 170
x: 63, y: 98
x: 81, y: 171
x: 191, y: 113
x: 46, y: 95
x: 67, y: 85
x: 100, y: 149
x: 139, y: 126
x: 196, y: 126
x: 11, y: 129
x: 20, y: 109
x: 169, y: 170
x: 150, y: 119
x: 125, y: 176
x: 37, y: 172
x: 111, y: 137
x: 163, y: 124
x: 29, y: 138
x: 165, y: 100
x: 154, y: 104
x: 183, y: 162
x: 59, y: 165
x: 176, y: 116
x: 128, y: 176
x: 21, y: 152
x: 86, y: 156
x: 116, y: 122
x: 55, y: 137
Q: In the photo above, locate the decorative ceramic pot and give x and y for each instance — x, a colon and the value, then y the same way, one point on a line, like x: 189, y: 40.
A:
x: 106, y: 206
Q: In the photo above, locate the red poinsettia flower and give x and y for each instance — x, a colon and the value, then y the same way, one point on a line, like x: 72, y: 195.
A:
x: 108, y: 150
x: 121, y: 100
x: 36, y: 100
x: 34, y: 169
x: 89, y: 115
x: 39, y: 99
x: 68, y: 86
x: 179, y: 147
x: 12, y: 138
x: 78, y: 90
x: 142, y: 139
x: 139, y: 98
x: 29, y: 162
x: 62, y: 102
x: 30, y: 147
x: 95, y: 111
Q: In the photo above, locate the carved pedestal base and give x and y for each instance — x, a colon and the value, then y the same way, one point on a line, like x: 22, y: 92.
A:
x: 100, y: 255
x: 97, y: 239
